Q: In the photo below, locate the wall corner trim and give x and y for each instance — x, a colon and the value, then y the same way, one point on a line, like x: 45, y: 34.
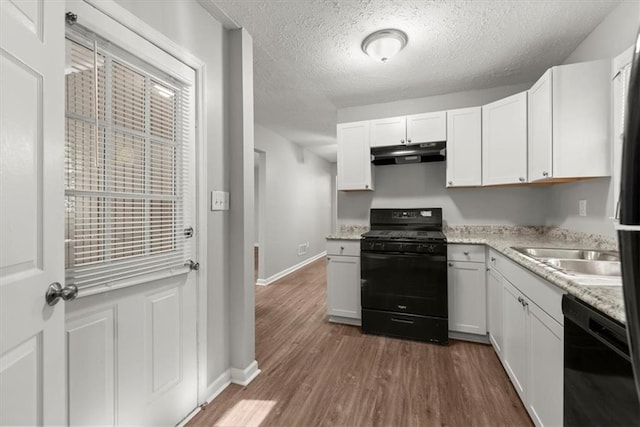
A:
x: 244, y: 376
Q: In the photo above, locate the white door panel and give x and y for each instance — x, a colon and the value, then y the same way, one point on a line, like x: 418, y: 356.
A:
x: 32, y: 354
x: 91, y: 344
x: 148, y: 332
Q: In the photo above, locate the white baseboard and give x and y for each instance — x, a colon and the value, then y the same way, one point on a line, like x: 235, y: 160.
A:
x: 298, y: 266
x: 213, y: 390
x: 244, y: 376
x: 463, y: 336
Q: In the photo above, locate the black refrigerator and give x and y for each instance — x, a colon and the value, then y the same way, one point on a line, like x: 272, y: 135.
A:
x: 629, y: 228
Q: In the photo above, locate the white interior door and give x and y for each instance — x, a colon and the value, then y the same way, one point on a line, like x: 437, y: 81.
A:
x: 32, y: 347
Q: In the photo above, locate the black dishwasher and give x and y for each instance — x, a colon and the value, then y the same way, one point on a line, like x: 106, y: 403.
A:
x: 598, y: 379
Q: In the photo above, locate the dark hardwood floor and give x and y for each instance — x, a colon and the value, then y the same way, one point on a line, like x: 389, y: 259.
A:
x: 316, y: 373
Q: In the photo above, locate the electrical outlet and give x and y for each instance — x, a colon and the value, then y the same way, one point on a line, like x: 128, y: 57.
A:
x: 582, y: 207
x: 302, y: 249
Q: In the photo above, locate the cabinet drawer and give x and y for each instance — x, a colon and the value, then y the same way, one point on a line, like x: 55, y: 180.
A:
x: 473, y: 253
x: 402, y: 325
x: 343, y: 247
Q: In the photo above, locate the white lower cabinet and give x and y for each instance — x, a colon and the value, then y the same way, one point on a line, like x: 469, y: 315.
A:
x: 515, y: 337
x: 467, y: 290
x: 527, y: 338
x: 343, y: 282
x: 467, y: 293
x: 546, y: 368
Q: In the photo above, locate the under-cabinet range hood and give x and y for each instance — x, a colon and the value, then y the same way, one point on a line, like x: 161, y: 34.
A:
x: 418, y: 153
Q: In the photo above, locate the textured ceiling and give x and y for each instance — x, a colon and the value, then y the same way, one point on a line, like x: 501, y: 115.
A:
x: 308, y: 62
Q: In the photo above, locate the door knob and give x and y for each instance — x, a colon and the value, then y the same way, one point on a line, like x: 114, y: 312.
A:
x: 55, y: 291
x: 192, y: 265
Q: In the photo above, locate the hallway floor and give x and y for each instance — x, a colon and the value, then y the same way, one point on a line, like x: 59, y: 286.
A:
x: 319, y: 373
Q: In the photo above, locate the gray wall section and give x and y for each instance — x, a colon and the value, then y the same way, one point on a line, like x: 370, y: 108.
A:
x: 614, y: 34
x: 297, y: 201
x: 241, y: 221
x: 556, y: 205
x: 423, y: 185
x: 471, y: 98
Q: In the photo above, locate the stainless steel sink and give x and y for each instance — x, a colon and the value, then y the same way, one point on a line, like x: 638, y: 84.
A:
x: 576, y: 261
x: 563, y: 253
x: 598, y: 268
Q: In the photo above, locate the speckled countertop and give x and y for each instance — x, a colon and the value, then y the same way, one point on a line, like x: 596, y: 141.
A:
x: 349, y: 232
x: 603, y: 293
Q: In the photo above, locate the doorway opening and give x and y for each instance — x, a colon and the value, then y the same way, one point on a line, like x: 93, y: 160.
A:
x: 260, y: 179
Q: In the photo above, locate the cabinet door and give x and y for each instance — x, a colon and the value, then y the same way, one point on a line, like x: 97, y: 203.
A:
x: 428, y: 127
x: 546, y: 368
x: 464, y: 147
x: 514, y: 322
x: 494, y: 309
x: 354, y: 156
x: 540, y: 128
x: 389, y: 131
x: 504, y: 141
x: 467, y: 298
x: 343, y: 286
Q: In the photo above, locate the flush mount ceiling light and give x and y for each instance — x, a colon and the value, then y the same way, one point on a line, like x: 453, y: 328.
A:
x: 382, y: 45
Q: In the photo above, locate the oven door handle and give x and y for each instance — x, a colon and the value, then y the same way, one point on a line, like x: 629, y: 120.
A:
x: 405, y: 321
x: 387, y: 255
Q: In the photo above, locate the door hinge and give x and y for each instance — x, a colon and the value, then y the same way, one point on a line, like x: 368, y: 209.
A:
x: 188, y: 232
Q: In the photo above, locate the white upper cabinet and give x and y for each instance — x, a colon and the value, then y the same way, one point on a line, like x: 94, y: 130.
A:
x: 620, y: 76
x: 540, y: 128
x: 414, y: 129
x: 504, y: 141
x: 354, y: 156
x: 428, y: 127
x: 464, y: 147
x: 569, y: 113
x: 388, y: 132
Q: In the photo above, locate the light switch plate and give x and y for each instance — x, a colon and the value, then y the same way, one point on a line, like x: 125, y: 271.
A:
x: 219, y: 200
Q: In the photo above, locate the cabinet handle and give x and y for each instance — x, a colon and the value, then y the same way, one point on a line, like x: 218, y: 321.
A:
x: 466, y: 252
x: 402, y: 141
x: 409, y: 140
x: 341, y: 248
x: 366, y: 186
x: 520, y: 300
x: 521, y: 179
x: 545, y: 173
x: 450, y: 182
x: 450, y: 264
x: 493, y: 259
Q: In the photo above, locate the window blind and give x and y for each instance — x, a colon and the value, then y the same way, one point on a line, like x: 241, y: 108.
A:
x: 126, y: 165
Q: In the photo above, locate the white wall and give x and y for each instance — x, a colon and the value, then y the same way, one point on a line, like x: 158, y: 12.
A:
x: 423, y: 185
x: 297, y: 201
x: 190, y: 26
x: 614, y: 34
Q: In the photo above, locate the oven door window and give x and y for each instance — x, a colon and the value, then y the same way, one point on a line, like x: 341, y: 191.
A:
x: 410, y: 283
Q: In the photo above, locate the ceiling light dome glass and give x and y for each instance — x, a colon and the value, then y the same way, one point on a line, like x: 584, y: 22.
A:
x: 382, y: 45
